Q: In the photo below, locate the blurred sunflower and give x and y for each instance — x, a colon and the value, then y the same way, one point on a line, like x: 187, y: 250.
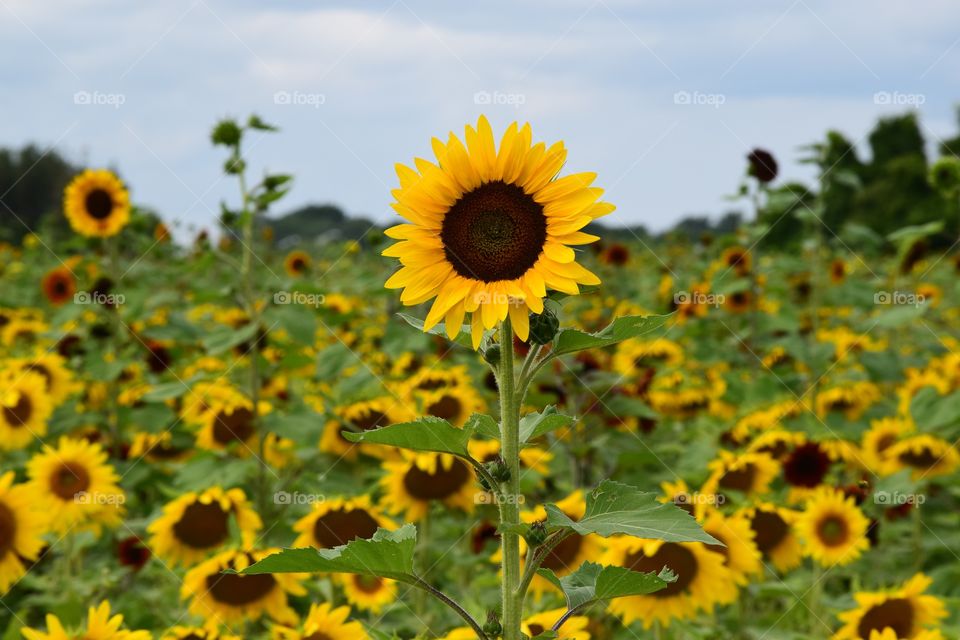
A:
x: 197, y: 633
x: 368, y: 593
x: 157, y: 447
x: 323, y: 622
x: 100, y: 626
x: 838, y: 271
x: 225, y: 598
x: 491, y: 229
x: 416, y: 481
x: 75, y: 486
x: 24, y: 408
x: 740, y: 554
x: 749, y: 474
x: 849, y: 399
x: 21, y: 531
x: 196, y: 524
x: 876, y: 442
x: 96, y: 204
x: 362, y: 416
x: 702, y: 579
x: 573, y: 628
x: 58, y: 285
x: 906, y: 610
x: 774, y: 535
x: 453, y: 404
x: 533, y: 458
x: 297, y: 263
x: 337, y: 521
x: 737, y: 259
x: 615, y: 254
x: 832, y: 528
x: 57, y: 377
x: 928, y: 456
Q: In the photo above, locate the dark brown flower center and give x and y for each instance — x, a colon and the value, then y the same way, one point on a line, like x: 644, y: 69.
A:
x: 68, y: 480
x: 371, y: 419
x: 678, y: 558
x: 99, y: 204
x: 340, y: 527
x: 739, y: 479
x: 832, y: 530
x: 896, y: 614
x: 922, y: 460
x: 447, y: 407
x: 495, y: 232
x: 202, y: 525
x: 238, y: 591
x: 723, y: 549
x: 562, y: 557
x: 806, y: 466
x: 536, y: 629
x: 237, y: 426
x: 436, y: 486
x: 368, y: 584
x: 8, y: 530
x: 769, y: 530
x: 317, y: 635
x: 19, y: 414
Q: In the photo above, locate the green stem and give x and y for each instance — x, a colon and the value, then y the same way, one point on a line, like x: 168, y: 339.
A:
x: 450, y: 602
x: 509, y: 502
x: 816, y: 595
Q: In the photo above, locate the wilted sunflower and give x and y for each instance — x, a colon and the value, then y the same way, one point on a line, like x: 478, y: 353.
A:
x: 75, y: 486
x: 97, y: 204
x: 21, y: 531
x: 196, y: 524
x: 774, y: 534
x: 907, y: 610
x: 58, y: 285
x: 337, y: 521
x: 100, y: 626
x: 832, y: 528
x: 24, y: 408
x: 225, y: 598
x: 491, y: 229
x: 296, y: 263
x: 702, y: 579
x: 928, y: 456
x: 368, y: 593
x: 323, y: 622
x: 416, y: 481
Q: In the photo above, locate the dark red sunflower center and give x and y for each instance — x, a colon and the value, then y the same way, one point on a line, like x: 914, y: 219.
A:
x: 832, y: 530
x: 19, y: 414
x: 202, y: 525
x: 678, y: 558
x: 436, y: 486
x: 806, y: 466
x: 447, y: 407
x: 495, y: 232
x: 770, y: 530
x: 239, y: 591
x: 68, y: 480
x: 237, y: 426
x: 896, y: 614
x: 340, y: 527
x: 99, y: 204
x: 8, y: 530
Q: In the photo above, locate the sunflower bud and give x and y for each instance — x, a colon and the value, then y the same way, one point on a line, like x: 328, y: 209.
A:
x: 492, y: 355
x: 227, y: 133
x: 945, y: 175
x: 493, y: 628
x: 536, y: 534
x: 234, y: 165
x: 543, y: 327
x: 498, y: 469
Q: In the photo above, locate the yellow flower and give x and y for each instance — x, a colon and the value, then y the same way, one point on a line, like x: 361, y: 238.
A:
x: 907, y: 610
x: 100, y: 626
x: 97, y: 204
x: 491, y: 229
x: 363, y: 416
x: 876, y: 442
x: 337, y: 521
x: 323, y: 621
x: 369, y: 593
x: 928, y: 456
x: 416, y: 481
x: 21, y: 531
x: 197, y: 633
x: 832, y: 528
x: 573, y: 628
x: 774, y: 535
x: 740, y: 554
x: 296, y: 263
x: 24, y: 408
x: 749, y: 474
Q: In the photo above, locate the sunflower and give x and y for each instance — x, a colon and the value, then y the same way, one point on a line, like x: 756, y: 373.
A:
x: 363, y: 416
x: 838, y: 271
x: 638, y: 356
x: 297, y: 263
x: 876, y: 442
x: 740, y: 554
x: 806, y: 466
x: 777, y: 443
x: 57, y: 377
x: 907, y: 610
x: 337, y: 521
x: 225, y: 598
x: 926, y: 455
x: 231, y: 423
x: 58, y: 285
x: 75, y: 486
x: 100, y: 626
x: 703, y: 581
x: 368, y: 593
x: 616, y: 255
x: 738, y: 259
x: 888, y: 633
x: 416, y: 481
x: 573, y: 628
x: 196, y: 524
x: 454, y: 404
x: 774, y: 535
x: 533, y: 458
x: 21, y: 531
x: 323, y: 622
x: 491, y: 229
x: 97, y: 204
x: 197, y: 633
x: 24, y: 408
x: 849, y: 399
x: 739, y: 301
x: 832, y: 528
x: 432, y: 378
x: 156, y: 447
x: 749, y: 474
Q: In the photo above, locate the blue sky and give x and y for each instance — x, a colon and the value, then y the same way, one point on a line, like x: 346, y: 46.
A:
x: 662, y: 99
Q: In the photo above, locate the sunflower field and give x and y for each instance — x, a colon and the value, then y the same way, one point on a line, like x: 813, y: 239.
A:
x: 484, y: 421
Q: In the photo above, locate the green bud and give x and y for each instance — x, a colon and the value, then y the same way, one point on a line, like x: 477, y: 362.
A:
x: 543, y: 327
x: 492, y: 355
x: 499, y: 470
x: 945, y: 175
x: 536, y: 534
x: 234, y: 165
x: 226, y: 132
x: 493, y: 627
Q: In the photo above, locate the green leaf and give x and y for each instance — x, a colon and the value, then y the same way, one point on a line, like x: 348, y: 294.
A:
x: 424, y: 434
x: 463, y: 338
x: 533, y: 425
x: 616, y: 508
x: 592, y: 583
x: 484, y: 425
x: 388, y: 554
x: 573, y: 340
x: 224, y: 340
x: 936, y: 414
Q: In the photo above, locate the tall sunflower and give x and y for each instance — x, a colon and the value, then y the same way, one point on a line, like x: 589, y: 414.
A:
x: 100, y: 626
x: 21, y: 531
x: 907, y: 610
x: 97, y: 204
x: 490, y: 229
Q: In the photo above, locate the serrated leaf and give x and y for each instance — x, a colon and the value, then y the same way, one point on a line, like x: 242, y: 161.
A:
x: 424, y: 434
x: 533, y: 425
x: 625, y: 328
x: 388, y: 554
x: 593, y: 582
x: 615, y: 508
x: 484, y: 425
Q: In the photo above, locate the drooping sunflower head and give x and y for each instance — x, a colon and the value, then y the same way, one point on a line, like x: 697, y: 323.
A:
x: 97, y: 204
x: 490, y: 229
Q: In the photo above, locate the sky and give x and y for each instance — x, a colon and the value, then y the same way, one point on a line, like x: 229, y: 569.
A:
x: 662, y: 99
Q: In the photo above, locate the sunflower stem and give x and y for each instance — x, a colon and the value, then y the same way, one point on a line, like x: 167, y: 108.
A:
x: 509, y: 500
